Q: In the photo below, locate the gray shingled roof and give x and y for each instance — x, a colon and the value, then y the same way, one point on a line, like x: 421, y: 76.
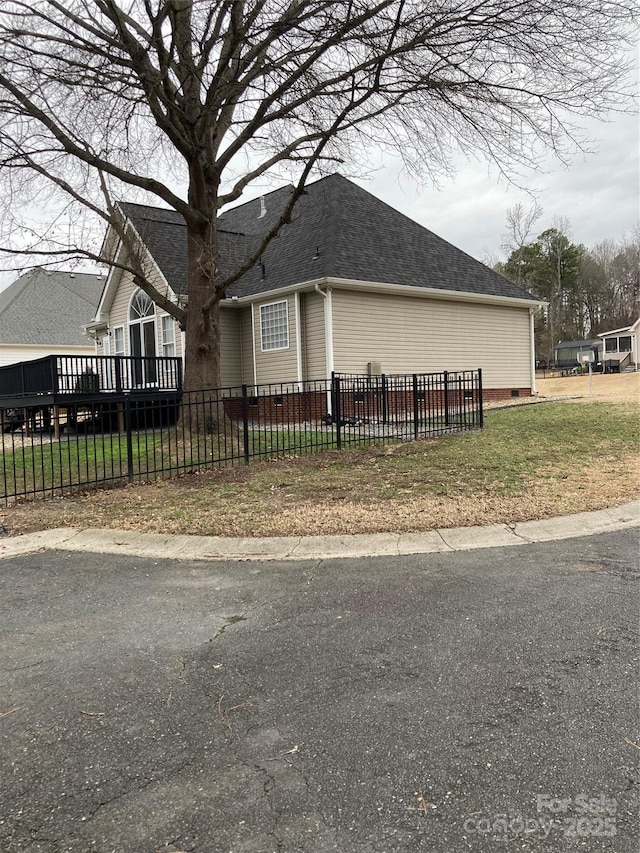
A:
x: 49, y: 307
x: 576, y: 344
x: 338, y: 230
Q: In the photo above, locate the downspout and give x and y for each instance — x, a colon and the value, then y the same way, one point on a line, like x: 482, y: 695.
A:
x: 328, y: 337
x: 253, y: 349
x: 328, y: 328
x: 298, y: 325
x: 532, y: 348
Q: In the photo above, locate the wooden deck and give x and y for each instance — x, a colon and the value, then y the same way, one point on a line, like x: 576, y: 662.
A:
x: 61, y: 379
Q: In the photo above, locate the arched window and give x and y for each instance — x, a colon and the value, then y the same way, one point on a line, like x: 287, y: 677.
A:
x: 141, y: 306
x: 142, y: 339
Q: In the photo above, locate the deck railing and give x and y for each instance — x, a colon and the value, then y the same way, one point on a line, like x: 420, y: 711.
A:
x: 95, y: 374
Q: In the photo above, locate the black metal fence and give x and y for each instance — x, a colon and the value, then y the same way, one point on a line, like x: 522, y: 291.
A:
x: 50, y: 450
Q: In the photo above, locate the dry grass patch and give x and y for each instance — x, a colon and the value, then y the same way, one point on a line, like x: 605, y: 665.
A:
x: 609, y: 387
x: 529, y: 462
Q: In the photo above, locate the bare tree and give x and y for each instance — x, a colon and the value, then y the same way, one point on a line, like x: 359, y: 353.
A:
x: 520, y: 222
x: 101, y: 99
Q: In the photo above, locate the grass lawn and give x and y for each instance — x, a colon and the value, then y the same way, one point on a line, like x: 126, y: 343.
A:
x: 529, y: 462
x: 79, y: 460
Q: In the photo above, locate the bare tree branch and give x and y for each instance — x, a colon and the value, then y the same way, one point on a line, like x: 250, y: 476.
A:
x: 192, y: 102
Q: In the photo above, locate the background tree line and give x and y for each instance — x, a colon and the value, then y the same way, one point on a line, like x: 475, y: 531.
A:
x: 589, y: 290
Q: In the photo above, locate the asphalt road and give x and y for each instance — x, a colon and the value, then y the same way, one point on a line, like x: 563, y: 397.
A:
x: 449, y: 702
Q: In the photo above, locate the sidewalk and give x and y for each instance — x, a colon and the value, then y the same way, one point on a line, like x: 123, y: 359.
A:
x: 324, y: 547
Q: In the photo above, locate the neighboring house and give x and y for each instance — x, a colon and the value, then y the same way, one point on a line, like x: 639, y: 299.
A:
x: 566, y: 352
x: 43, y: 313
x: 621, y: 347
x: 349, y: 285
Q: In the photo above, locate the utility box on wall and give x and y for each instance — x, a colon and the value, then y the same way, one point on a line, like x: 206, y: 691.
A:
x: 374, y: 368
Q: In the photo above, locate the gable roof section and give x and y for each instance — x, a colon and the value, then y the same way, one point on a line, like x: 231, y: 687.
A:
x: 164, y: 234
x: 338, y: 231
x: 49, y: 307
x: 630, y: 328
x: 577, y: 344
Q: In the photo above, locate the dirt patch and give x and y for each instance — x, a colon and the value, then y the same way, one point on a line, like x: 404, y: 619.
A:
x: 177, y: 508
x: 608, y: 387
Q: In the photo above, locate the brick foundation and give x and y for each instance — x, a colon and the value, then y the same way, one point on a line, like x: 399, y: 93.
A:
x: 312, y: 405
x: 491, y: 394
x: 280, y: 408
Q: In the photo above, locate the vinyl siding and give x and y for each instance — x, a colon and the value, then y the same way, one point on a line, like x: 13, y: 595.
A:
x: 276, y: 365
x: 246, y: 348
x: 314, y: 355
x: 230, y: 348
x: 230, y: 332
x: 408, y: 334
x: 119, y: 315
x: 14, y: 353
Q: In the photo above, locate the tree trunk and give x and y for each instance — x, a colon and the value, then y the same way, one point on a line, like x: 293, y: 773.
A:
x: 202, y: 355
x: 202, y: 406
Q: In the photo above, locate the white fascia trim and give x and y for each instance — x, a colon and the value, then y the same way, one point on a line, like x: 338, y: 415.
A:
x: 110, y: 285
x: 170, y: 292
x: 397, y: 289
x: 617, y: 331
x: 114, y: 270
x: 91, y: 329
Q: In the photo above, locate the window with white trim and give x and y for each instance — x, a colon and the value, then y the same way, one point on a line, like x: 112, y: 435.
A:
x: 141, y: 306
x: 274, y: 326
x: 168, y: 329
x: 624, y: 343
x: 118, y: 340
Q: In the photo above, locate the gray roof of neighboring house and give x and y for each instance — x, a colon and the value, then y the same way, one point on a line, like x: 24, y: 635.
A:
x: 577, y: 344
x: 337, y: 230
x: 49, y: 307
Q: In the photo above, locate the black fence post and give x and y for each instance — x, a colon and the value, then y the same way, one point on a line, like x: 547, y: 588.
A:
x: 129, y: 437
x: 446, y: 397
x: 118, y: 372
x: 332, y: 395
x: 245, y: 424
x: 416, y: 415
x: 337, y: 414
x: 480, y: 402
x: 385, y: 400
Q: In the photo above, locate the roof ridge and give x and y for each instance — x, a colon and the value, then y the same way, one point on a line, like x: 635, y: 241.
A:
x: 79, y: 292
x: 414, y: 223
x: 22, y: 280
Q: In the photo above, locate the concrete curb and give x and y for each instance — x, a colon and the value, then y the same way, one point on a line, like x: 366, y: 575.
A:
x: 324, y: 547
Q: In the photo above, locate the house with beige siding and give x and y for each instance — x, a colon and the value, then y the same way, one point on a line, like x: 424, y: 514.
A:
x: 621, y: 347
x: 349, y: 285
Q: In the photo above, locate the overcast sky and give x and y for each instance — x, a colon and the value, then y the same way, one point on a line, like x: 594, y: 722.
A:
x: 598, y: 193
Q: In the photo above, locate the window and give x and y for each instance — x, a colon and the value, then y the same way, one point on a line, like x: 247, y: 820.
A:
x: 142, y: 340
x: 118, y: 340
x: 624, y: 344
x: 274, y: 326
x: 141, y: 306
x: 611, y: 345
x: 168, y: 336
